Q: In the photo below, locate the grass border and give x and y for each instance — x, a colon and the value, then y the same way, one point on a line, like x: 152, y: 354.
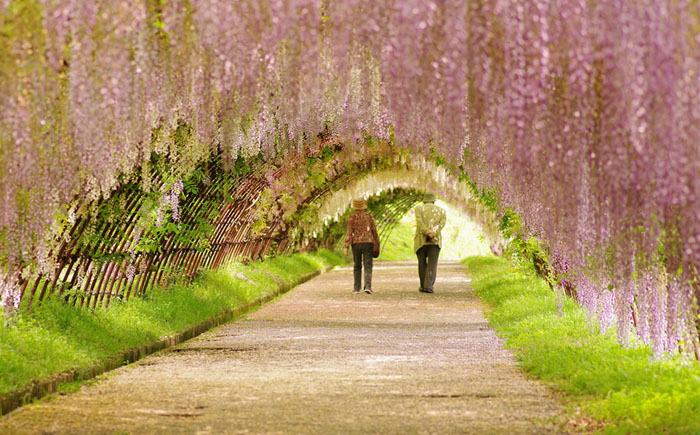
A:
x: 609, y: 387
x: 44, y: 387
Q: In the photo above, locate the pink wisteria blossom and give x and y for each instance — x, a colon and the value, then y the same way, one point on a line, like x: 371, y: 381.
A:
x: 583, y: 116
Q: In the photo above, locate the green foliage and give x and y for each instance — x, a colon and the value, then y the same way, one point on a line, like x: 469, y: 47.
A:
x: 626, y: 388
x: 316, y: 173
x: 488, y: 197
x: 112, y: 221
x: 327, y: 152
x: 59, y: 337
x: 298, y: 190
x: 399, y: 245
x: 241, y: 166
x: 510, y: 226
x: 437, y: 157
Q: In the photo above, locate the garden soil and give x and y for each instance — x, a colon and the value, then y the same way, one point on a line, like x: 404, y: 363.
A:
x: 321, y: 360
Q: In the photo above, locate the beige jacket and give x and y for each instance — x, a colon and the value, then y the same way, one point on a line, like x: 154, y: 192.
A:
x: 429, y: 219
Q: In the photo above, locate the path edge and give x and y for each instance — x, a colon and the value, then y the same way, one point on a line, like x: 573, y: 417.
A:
x: 44, y: 387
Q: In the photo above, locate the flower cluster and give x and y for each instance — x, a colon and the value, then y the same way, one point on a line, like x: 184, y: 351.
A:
x: 10, y: 296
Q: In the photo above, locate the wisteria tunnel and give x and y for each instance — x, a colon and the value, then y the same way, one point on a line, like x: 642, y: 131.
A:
x: 145, y: 141
x: 218, y: 215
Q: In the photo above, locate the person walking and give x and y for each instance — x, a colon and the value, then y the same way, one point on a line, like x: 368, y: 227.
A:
x: 362, y: 235
x: 430, y: 220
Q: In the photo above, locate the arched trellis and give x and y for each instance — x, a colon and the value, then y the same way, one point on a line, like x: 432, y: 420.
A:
x: 387, y: 207
x: 110, y: 251
x: 394, y: 191
x: 391, y: 211
x: 94, y: 268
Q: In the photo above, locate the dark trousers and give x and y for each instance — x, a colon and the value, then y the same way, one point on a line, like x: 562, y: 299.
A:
x: 362, y: 255
x: 427, y: 265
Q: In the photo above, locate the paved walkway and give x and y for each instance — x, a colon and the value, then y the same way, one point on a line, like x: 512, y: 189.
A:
x: 321, y: 360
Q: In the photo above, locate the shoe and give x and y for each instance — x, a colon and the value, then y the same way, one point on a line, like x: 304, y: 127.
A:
x: 356, y: 292
x: 368, y: 291
x: 426, y: 290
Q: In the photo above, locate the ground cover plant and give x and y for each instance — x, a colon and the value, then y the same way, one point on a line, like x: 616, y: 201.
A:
x: 59, y: 336
x: 556, y: 340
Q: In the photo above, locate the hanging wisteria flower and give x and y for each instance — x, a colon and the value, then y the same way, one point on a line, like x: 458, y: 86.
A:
x: 130, y: 273
x: 10, y: 297
x: 175, y: 191
x: 583, y: 116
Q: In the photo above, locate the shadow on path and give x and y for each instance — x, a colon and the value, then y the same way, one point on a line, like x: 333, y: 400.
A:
x: 322, y: 360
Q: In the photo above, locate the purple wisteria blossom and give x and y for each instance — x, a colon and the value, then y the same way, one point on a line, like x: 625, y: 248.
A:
x: 583, y: 116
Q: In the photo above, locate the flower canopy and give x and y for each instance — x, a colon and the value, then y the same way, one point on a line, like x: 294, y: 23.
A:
x: 583, y: 117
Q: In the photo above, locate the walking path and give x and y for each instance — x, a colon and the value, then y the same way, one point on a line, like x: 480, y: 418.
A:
x: 321, y: 360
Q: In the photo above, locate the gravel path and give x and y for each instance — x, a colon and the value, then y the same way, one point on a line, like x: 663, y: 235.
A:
x: 322, y: 360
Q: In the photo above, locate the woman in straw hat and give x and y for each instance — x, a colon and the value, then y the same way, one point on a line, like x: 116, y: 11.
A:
x: 362, y: 235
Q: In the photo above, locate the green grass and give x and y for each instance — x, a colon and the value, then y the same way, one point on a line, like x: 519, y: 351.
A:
x: 59, y: 337
x: 399, y: 245
x: 460, y: 237
x: 624, y: 387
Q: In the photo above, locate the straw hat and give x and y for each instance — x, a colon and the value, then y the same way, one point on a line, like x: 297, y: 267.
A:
x: 359, y: 204
x: 429, y: 197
